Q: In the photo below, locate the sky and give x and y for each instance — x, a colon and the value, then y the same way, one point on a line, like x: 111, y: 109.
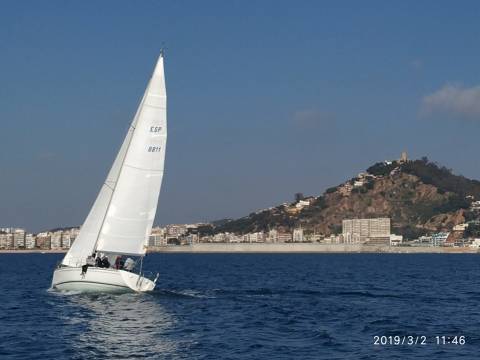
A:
x: 265, y: 98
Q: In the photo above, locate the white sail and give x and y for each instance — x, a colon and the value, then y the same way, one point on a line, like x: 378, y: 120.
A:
x: 121, y: 218
x: 130, y: 216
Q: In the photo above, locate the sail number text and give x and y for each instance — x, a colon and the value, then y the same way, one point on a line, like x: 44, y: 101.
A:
x: 155, y: 129
x: 154, y: 148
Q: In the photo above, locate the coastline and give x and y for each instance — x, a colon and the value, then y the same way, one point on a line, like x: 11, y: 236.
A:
x: 205, y: 248
x: 307, y: 248
x: 33, y: 251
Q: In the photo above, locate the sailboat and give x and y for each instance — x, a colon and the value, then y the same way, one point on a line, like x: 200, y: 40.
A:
x: 120, y: 221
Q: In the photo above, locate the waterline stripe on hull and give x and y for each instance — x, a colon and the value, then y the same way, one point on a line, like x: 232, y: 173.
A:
x: 91, y: 282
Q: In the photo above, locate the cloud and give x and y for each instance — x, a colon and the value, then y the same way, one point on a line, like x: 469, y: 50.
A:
x: 453, y: 99
x: 311, y: 118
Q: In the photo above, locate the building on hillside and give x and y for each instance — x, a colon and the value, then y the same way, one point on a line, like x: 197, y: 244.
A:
x: 358, y: 183
x: 302, y: 204
x: 460, y: 227
x: 345, y: 189
x: 373, y: 231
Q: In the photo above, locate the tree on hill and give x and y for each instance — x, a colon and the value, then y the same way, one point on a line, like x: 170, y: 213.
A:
x: 442, y: 177
x: 382, y: 168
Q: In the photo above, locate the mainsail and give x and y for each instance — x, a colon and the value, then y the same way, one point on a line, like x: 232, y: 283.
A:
x: 121, y: 218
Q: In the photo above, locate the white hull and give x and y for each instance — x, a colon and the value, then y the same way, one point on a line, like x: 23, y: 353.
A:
x: 99, y: 280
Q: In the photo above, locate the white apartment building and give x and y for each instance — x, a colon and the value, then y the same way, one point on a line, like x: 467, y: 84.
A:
x: 302, y: 203
x: 157, y: 240
x: 438, y: 239
x: 272, y: 236
x: 56, y: 240
x: 356, y: 231
x: 233, y: 238
x: 3, y: 241
x: 19, y: 239
x: 298, y: 235
x: 68, y: 237
x: 176, y: 230
x: 43, y: 240
x: 284, y: 237
x: 30, y: 241
x: 395, y: 240
x: 254, y: 237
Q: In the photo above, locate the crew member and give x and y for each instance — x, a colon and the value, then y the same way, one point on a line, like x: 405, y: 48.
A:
x: 119, y: 263
x: 105, y: 262
x: 129, y: 264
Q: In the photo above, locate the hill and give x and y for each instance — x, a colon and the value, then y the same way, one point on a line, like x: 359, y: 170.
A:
x: 419, y: 196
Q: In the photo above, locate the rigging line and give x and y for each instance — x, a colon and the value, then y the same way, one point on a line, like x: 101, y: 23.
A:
x: 111, y: 188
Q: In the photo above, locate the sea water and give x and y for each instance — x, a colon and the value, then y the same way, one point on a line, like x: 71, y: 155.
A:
x: 251, y: 306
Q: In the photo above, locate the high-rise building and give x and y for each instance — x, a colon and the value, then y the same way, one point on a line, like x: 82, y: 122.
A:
x: 43, y: 241
x: 56, y: 240
x: 19, y: 239
x: 29, y: 241
x: 356, y: 231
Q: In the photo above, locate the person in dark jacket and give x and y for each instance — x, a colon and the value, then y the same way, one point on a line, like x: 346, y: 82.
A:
x: 119, y: 263
x: 105, y: 262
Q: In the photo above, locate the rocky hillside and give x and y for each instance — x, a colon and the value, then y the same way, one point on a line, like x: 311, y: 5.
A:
x: 419, y: 196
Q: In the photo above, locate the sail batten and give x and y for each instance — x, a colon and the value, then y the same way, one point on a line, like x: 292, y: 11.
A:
x: 121, y: 218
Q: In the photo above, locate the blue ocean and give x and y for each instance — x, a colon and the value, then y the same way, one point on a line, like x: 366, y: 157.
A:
x: 251, y: 306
